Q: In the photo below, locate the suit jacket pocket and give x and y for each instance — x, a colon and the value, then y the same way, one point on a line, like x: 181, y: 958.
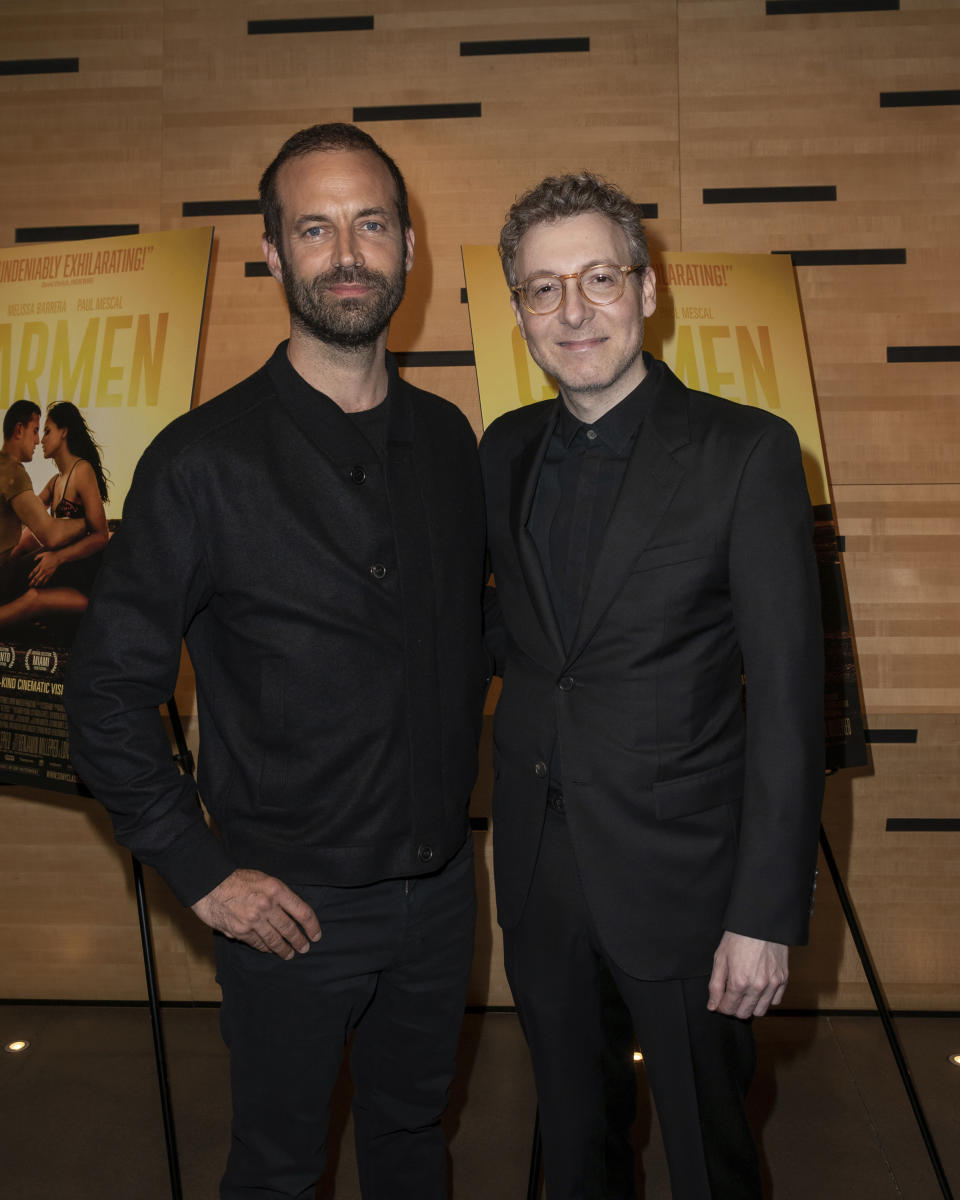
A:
x: 675, y: 552
x: 688, y: 794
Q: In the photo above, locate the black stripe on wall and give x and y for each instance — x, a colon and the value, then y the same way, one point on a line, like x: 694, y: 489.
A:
x: 919, y: 354
x: 435, y: 358
x: 919, y: 99
x: 220, y: 208
x: 767, y: 195
x: 845, y: 258
x: 888, y: 736
x: 415, y: 112
x: 783, y: 7
x: 39, y: 66
x: 255, y: 270
x: 479, y: 823
x: 923, y: 825
x: 310, y: 25
x: 526, y: 46
x: 72, y: 233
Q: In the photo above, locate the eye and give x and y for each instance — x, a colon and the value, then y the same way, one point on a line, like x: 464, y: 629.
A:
x: 372, y: 226
x: 547, y: 286
x: 602, y: 277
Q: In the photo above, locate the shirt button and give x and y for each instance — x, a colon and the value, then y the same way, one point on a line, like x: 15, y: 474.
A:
x: 357, y: 475
x: 540, y: 770
x: 378, y: 571
x: 592, y: 435
x: 424, y: 853
x: 566, y: 684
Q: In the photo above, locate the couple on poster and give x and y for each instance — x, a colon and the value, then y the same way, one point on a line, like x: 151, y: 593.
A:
x: 51, y: 544
x: 655, y: 843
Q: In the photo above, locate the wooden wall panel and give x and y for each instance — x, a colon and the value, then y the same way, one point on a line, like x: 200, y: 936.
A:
x: 794, y: 101
x: 904, y: 885
x: 175, y: 102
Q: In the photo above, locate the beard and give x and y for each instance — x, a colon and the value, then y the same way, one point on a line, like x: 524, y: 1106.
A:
x: 350, y: 322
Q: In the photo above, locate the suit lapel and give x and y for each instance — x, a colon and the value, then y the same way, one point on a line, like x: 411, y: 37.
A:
x: 652, y: 477
x: 524, y: 475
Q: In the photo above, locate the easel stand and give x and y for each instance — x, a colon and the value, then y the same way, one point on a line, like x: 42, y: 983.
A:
x: 884, y: 1010
x: 533, y: 1185
x: 185, y: 760
x: 146, y: 942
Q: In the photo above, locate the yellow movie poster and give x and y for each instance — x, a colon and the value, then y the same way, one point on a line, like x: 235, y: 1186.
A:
x: 729, y: 324
x: 99, y: 339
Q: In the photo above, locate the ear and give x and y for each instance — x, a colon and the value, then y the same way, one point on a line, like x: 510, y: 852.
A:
x: 272, y: 257
x: 409, y: 239
x: 518, y: 314
x: 648, y: 289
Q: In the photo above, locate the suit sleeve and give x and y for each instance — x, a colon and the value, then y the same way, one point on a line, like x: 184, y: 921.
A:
x: 776, y: 604
x: 124, y: 665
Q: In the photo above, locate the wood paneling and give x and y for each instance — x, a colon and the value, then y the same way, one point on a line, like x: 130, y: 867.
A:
x: 174, y: 102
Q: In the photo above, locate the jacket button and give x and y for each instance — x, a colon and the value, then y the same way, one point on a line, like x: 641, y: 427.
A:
x: 540, y: 769
x: 357, y: 475
x: 566, y: 683
x: 378, y: 571
x: 424, y: 853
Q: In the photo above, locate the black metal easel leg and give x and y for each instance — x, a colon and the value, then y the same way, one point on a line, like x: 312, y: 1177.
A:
x: 882, y: 1008
x: 146, y: 941
x: 536, y: 1161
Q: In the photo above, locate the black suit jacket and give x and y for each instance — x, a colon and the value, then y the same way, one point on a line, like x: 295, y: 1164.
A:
x: 688, y: 814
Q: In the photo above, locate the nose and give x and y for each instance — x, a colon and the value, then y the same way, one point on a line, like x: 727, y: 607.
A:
x: 347, y: 250
x: 574, y: 310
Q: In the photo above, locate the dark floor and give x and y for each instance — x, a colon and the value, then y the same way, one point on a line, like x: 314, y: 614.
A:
x: 80, y: 1116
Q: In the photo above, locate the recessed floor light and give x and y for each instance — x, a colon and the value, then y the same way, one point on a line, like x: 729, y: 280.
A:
x: 16, y: 1047
x: 637, y: 1056
x: 955, y: 1059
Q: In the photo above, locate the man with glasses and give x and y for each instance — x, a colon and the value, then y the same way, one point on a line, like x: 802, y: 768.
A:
x: 655, y: 837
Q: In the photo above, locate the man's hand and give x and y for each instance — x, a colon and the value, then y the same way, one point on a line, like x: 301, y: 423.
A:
x: 263, y: 912
x: 44, y: 566
x: 748, y: 976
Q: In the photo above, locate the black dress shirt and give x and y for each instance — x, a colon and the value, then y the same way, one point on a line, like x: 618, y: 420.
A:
x: 580, y: 480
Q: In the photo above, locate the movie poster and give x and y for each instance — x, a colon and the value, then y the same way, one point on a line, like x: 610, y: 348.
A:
x: 729, y: 324
x: 112, y: 328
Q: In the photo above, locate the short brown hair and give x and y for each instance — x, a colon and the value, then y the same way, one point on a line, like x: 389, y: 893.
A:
x: 560, y: 196
x: 20, y: 412
x: 336, y: 135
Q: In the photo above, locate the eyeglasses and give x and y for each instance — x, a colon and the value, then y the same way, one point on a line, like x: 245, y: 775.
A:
x: 603, y: 284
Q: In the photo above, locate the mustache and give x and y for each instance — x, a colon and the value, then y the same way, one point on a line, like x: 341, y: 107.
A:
x: 359, y: 275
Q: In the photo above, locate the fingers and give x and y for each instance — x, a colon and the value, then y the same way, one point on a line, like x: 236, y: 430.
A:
x: 748, y: 976
x: 255, y: 908
x: 718, y: 983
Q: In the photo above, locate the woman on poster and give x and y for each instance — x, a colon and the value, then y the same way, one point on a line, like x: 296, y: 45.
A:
x: 60, y: 580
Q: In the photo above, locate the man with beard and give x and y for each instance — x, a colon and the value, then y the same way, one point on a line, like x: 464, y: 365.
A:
x: 316, y: 532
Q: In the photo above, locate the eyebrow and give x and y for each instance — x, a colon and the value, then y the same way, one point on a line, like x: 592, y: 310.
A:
x: 314, y: 218
x: 595, y: 262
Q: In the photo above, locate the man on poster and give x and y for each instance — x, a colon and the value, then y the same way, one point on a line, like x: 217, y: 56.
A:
x: 20, y: 506
x: 316, y: 532
x: 655, y: 842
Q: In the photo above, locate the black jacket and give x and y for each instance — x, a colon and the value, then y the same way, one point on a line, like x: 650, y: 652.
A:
x: 688, y: 816
x: 330, y: 600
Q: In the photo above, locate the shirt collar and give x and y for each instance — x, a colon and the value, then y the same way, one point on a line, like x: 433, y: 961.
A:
x: 619, y: 425
x: 323, y: 421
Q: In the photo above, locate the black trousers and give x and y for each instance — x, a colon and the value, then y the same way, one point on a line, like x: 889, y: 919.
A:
x: 392, y: 966
x: 576, y: 1008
